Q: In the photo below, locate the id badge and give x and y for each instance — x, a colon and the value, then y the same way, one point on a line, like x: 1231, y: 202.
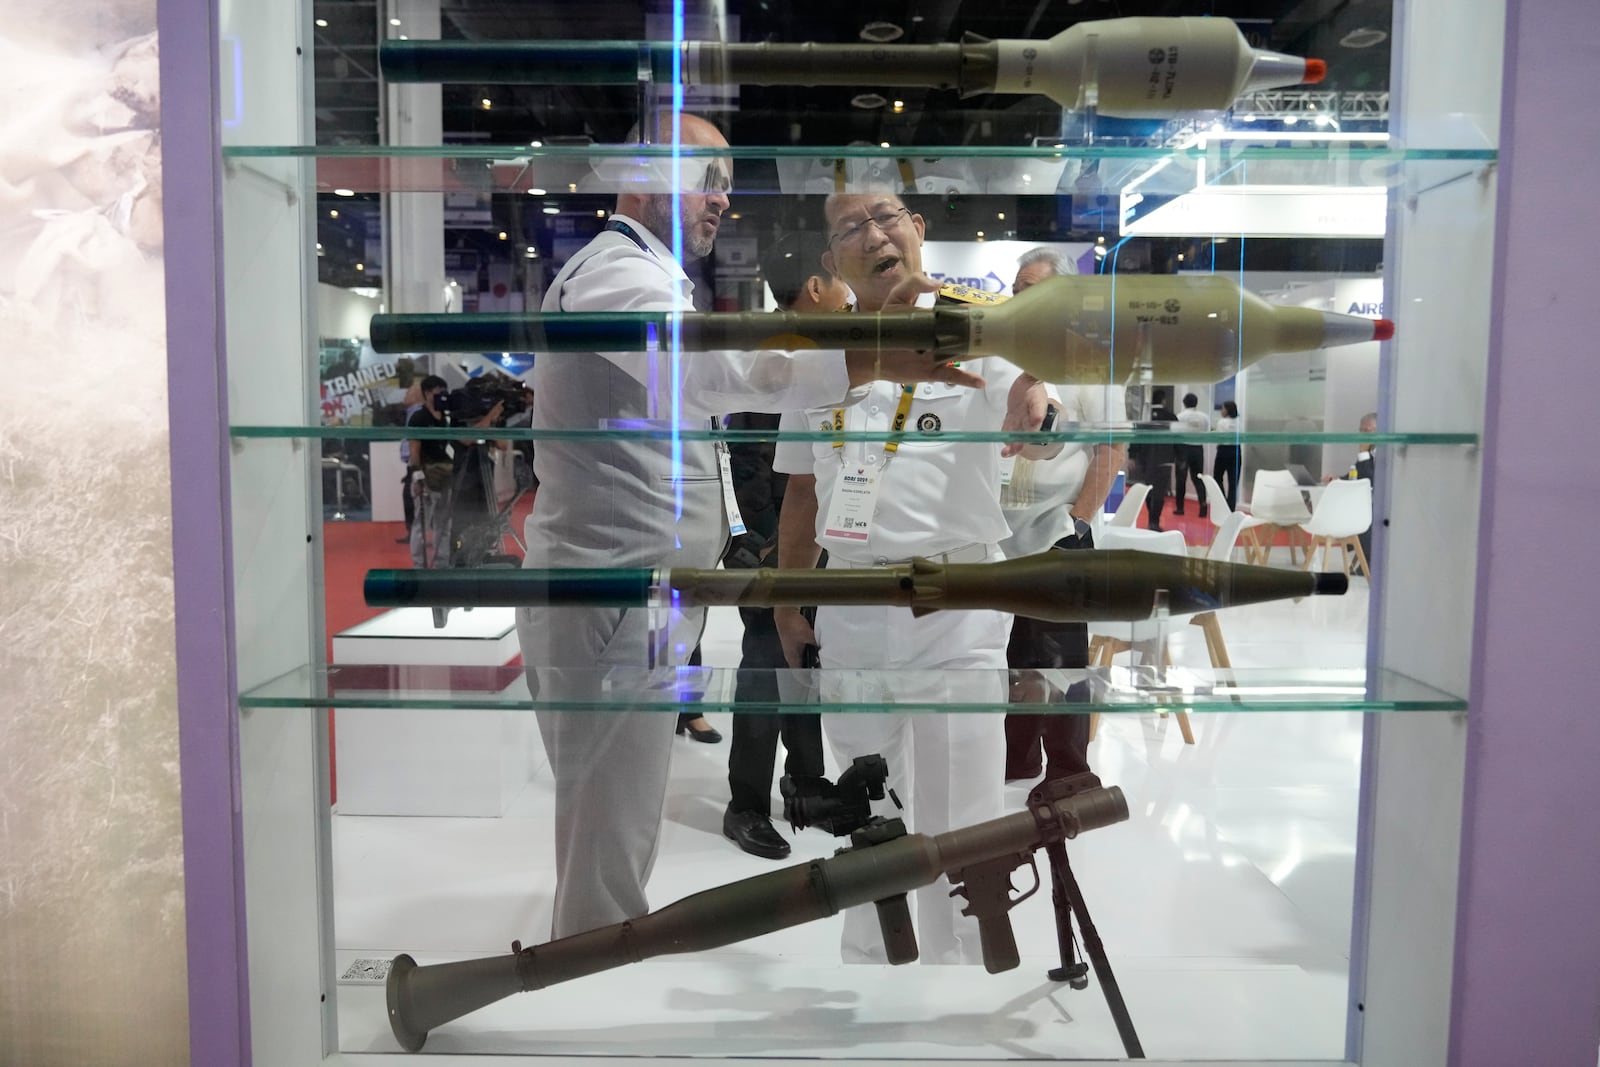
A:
x: 855, y: 498
x: 1008, y: 467
x: 730, y: 499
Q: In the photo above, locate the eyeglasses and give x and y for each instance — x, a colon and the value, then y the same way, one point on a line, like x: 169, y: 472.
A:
x: 854, y: 235
x: 717, y: 180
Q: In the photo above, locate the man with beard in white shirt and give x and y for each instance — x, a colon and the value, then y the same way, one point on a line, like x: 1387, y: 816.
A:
x: 638, y: 502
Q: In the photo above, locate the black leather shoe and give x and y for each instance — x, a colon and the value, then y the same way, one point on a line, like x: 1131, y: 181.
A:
x: 754, y: 833
x: 709, y: 735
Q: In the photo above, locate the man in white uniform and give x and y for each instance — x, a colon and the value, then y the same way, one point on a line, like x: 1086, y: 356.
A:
x: 1050, y: 504
x: 640, y: 503
x: 873, y: 503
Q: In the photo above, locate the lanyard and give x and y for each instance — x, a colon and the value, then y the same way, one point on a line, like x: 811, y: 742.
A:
x: 901, y: 413
x: 629, y: 232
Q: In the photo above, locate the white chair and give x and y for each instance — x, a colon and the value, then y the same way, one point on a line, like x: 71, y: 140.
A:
x: 1107, y: 640
x: 1276, y: 500
x: 1128, y: 511
x: 1217, y: 505
x: 1343, y: 514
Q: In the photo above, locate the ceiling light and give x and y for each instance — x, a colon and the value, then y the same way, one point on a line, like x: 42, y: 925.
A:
x: 551, y: 209
x: 572, y: 187
x: 1099, y: 240
x: 1291, y: 120
x: 1365, y: 37
x: 344, y: 192
x: 868, y: 101
x: 535, y: 144
x: 333, y: 213
x: 600, y: 214
x: 394, y: 22
x: 883, y: 144
x: 403, y: 37
x: 487, y: 103
x: 502, y: 235
x: 881, y: 32
x: 323, y: 23
x: 535, y: 191
x: 980, y: 233
x: 1180, y: 257
x: 361, y: 266
x: 735, y: 215
x: 1001, y: 216
x: 899, y: 106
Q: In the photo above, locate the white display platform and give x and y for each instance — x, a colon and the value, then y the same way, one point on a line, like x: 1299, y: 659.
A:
x: 446, y: 762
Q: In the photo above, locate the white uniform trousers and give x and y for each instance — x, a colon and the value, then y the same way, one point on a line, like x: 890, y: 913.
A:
x: 947, y: 769
x: 610, y: 766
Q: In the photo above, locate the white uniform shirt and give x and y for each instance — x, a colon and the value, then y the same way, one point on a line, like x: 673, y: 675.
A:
x: 1038, y: 502
x: 1194, y: 420
x: 935, y: 495
x: 620, y: 503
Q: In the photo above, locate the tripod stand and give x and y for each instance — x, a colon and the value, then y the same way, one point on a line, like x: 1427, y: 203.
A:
x: 1068, y: 902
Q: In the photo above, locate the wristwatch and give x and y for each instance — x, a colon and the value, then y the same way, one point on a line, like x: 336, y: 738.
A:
x: 1050, y: 413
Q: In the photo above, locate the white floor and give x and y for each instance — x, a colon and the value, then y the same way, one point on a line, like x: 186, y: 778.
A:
x: 1224, y: 904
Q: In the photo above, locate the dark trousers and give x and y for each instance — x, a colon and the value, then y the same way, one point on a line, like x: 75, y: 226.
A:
x: 756, y: 733
x: 1159, y: 477
x: 1036, y: 644
x: 410, y: 504
x: 1225, y: 469
x: 1191, y: 464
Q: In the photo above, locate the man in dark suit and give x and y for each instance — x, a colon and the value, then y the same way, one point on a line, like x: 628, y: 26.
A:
x: 792, y: 267
x: 1153, y: 462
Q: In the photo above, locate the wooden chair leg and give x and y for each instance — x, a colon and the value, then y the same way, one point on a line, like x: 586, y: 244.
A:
x: 1344, y: 557
x: 1094, y: 725
x: 1214, y: 643
x: 1311, y: 552
x: 1184, y: 728
x: 1361, y: 558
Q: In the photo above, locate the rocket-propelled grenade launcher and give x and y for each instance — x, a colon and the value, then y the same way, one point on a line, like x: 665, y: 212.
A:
x: 1084, y: 329
x: 883, y: 864
x: 1110, y: 586
x: 1126, y: 66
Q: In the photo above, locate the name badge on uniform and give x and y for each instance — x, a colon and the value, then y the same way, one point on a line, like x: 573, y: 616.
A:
x: 1008, y: 466
x: 730, y: 499
x: 855, y: 498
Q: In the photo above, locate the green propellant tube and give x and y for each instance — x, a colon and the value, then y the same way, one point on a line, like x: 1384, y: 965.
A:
x: 1109, y: 586
x: 1084, y: 329
x: 422, y: 998
x: 1126, y: 66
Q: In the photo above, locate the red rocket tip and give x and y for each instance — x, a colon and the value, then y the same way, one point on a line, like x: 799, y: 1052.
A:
x: 1316, y: 70
x: 1382, y: 329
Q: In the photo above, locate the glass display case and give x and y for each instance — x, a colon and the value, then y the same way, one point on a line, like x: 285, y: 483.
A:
x: 1279, y: 885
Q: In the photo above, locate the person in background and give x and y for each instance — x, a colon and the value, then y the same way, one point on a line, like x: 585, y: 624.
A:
x: 792, y: 267
x: 429, y: 467
x: 1365, y: 466
x: 1049, y: 505
x: 1152, y: 462
x: 1191, y: 459
x: 413, y: 401
x: 1225, y: 469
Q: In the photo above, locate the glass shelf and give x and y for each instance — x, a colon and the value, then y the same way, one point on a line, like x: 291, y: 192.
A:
x: 1104, y: 689
x: 1101, y: 435
x: 1274, y: 159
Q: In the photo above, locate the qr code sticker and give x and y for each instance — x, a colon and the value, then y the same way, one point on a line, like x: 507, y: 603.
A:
x: 364, y: 972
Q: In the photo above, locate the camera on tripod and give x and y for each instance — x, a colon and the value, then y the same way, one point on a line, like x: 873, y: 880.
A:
x: 471, y: 402
x: 841, y: 807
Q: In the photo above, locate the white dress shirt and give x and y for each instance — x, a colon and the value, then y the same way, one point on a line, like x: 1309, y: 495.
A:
x: 639, y: 503
x: 1038, y: 502
x: 1194, y: 420
x: 935, y: 495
